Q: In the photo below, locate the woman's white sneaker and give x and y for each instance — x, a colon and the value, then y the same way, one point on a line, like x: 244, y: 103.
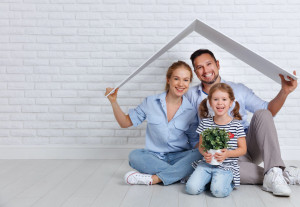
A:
x: 136, y: 178
x: 274, y: 182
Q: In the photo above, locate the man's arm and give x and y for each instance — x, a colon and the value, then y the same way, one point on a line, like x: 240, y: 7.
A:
x: 286, y: 88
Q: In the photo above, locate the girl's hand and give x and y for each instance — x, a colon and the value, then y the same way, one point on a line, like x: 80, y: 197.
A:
x: 220, y: 157
x: 112, y: 97
x: 207, y: 157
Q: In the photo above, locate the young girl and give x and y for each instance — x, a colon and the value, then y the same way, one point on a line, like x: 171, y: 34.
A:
x: 222, y: 178
x: 171, y: 131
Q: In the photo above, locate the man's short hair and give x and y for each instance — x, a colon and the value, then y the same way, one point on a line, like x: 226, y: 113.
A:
x: 199, y: 52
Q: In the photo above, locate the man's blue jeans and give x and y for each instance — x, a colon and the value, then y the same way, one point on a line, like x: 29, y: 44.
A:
x: 220, y: 180
x: 170, y: 167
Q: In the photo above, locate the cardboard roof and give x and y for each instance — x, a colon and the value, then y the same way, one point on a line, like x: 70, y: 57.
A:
x: 246, y: 55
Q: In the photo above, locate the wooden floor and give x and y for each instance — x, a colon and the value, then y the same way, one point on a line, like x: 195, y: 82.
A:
x: 96, y: 183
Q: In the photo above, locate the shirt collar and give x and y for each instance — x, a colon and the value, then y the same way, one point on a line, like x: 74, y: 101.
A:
x: 200, y: 85
x: 162, y: 97
x: 184, y: 105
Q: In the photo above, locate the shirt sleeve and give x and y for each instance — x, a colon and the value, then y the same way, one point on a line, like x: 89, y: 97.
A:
x: 253, y: 102
x: 200, y: 127
x: 138, y: 114
x: 240, y: 131
x: 193, y: 136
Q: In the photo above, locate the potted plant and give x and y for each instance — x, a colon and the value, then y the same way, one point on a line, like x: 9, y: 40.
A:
x: 213, y: 140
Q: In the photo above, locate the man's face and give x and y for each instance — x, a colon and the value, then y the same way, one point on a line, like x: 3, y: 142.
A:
x: 206, y: 68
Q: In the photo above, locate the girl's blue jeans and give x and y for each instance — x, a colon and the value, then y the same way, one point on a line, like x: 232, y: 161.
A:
x: 220, y: 180
x: 169, y: 167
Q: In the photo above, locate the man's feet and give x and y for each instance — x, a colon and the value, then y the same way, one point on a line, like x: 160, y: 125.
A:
x: 274, y: 182
x: 136, y: 178
x: 292, y: 175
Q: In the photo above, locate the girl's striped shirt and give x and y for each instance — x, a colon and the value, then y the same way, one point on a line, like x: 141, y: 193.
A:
x: 230, y: 163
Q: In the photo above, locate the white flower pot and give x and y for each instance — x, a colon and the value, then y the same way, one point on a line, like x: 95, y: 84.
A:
x: 213, y: 160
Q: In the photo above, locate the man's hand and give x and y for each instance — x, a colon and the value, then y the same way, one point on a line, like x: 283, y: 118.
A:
x: 288, y: 86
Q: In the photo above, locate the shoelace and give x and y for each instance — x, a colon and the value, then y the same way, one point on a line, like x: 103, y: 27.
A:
x: 293, y: 175
x: 278, y: 178
x: 143, y: 179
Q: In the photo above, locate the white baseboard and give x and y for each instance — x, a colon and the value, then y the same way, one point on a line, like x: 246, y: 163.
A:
x: 92, y: 152
x: 65, y: 152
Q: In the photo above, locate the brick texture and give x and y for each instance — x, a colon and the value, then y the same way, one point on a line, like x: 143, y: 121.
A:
x: 57, y: 58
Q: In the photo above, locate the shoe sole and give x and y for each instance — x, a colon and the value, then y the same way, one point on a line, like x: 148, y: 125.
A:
x: 277, y: 194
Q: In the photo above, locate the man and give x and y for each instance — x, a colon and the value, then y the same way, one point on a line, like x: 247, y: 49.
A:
x: 262, y: 139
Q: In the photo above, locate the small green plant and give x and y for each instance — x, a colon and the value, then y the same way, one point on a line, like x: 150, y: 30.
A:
x: 215, y: 138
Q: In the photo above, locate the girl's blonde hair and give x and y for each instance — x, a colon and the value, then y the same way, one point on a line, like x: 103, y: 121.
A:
x: 175, y: 66
x: 227, y: 89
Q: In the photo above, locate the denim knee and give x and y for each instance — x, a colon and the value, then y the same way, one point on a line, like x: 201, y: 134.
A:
x: 220, y: 191
x: 192, y: 189
x: 134, y: 156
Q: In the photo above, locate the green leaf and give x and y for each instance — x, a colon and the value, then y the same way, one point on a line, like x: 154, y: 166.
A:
x: 214, y: 138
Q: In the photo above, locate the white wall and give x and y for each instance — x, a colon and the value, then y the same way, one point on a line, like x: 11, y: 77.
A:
x: 58, y: 56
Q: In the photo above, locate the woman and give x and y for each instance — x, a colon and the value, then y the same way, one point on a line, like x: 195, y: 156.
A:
x: 171, y: 138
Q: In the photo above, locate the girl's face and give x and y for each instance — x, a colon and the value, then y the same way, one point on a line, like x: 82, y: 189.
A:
x: 220, y: 103
x: 179, y: 82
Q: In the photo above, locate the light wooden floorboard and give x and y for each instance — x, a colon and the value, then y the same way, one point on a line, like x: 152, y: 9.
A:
x: 49, y: 181
x: 88, y: 192
x: 165, y: 196
x: 97, y: 183
x: 191, y: 200
x: 115, y: 189
x: 61, y: 193
x: 224, y: 202
x: 247, y: 196
x: 36, y: 169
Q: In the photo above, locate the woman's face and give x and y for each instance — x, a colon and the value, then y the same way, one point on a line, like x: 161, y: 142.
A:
x: 179, y: 81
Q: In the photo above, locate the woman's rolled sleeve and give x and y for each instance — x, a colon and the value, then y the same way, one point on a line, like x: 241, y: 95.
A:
x: 138, y: 114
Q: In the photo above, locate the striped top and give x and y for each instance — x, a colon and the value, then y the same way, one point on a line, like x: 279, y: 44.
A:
x: 230, y: 163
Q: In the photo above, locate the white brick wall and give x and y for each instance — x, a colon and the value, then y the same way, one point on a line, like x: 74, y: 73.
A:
x: 57, y: 57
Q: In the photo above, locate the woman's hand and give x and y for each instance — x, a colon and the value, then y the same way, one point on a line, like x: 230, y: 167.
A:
x: 207, y: 157
x: 112, y: 97
x: 220, y: 157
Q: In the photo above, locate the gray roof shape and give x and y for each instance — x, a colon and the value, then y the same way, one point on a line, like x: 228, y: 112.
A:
x: 246, y: 55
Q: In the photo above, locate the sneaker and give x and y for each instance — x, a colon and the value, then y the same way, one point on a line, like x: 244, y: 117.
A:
x: 274, y: 182
x: 134, y: 178
x: 292, y: 175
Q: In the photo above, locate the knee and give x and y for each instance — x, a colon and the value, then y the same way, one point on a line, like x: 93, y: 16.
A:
x: 193, y: 189
x: 220, y: 192
x: 134, y: 156
x: 263, y: 114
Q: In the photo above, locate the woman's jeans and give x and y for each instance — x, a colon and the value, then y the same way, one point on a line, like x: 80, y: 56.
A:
x: 170, y: 167
x: 220, y: 180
